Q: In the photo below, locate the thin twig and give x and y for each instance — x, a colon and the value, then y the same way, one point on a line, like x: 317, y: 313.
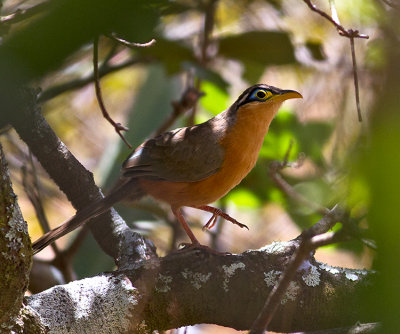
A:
x: 187, y: 101
x: 73, y: 248
x: 104, y: 69
x: 349, y: 33
x: 391, y: 4
x: 32, y: 190
x: 342, y: 31
x: 22, y: 14
x: 274, y: 172
x: 205, y: 40
x: 355, y: 75
x: 124, y: 42
x: 117, y: 126
x: 309, y: 242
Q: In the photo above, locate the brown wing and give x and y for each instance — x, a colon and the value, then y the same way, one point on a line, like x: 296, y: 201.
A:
x: 186, y: 154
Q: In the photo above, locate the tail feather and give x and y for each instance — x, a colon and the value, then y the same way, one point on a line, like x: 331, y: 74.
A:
x: 130, y: 189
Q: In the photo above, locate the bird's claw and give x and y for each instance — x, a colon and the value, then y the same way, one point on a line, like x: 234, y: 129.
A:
x: 219, y: 213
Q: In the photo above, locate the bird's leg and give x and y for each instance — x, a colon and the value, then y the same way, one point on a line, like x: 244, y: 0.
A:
x: 178, y: 214
x: 195, y: 243
x: 217, y: 212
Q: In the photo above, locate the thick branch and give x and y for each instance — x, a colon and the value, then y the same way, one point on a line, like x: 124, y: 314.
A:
x: 77, y: 183
x: 194, y: 286
x: 15, y: 253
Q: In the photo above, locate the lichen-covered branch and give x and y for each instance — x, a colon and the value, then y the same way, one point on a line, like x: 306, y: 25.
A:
x: 15, y: 254
x: 109, y: 229
x: 195, y: 286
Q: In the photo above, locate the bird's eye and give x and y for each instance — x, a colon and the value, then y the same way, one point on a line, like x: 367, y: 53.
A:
x: 261, y: 95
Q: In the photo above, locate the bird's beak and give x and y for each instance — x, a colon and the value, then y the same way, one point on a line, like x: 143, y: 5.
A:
x: 286, y: 95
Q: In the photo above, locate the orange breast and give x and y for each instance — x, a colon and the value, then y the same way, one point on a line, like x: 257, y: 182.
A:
x: 241, y: 143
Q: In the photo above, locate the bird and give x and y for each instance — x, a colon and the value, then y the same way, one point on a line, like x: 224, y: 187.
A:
x: 191, y: 166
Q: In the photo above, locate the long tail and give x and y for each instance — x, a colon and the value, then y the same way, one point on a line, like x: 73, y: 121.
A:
x: 129, y: 189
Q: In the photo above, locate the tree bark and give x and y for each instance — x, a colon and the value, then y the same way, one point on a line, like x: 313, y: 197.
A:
x: 77, y: 183
x: 16, y: 259
x: 195, y: 286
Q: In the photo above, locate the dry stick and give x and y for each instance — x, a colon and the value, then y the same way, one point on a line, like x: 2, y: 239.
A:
x: 335, y: 17
x: 117, y: 126
x: 309, y: 242
x: 355, y: 75
x: 289, y: 190
x: 33, y: 193
x: 104, y: 69
x: 124, y: 42
x: 62, y: 259
x: 22, y: 14
x: 71, y: 251
x: 349, y: 33
x: 391, y: 4
x: 342, y: 30
x: 188, y: 100
x: 205, y: 39
x: 274, y: 174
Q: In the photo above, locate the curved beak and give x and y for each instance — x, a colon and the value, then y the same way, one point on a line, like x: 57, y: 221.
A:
x: 287, y: 94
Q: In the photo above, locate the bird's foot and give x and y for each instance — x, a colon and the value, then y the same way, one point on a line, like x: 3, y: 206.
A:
x: 217, y: 213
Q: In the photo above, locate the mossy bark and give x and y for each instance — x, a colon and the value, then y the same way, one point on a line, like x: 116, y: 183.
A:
x: 15, y: 252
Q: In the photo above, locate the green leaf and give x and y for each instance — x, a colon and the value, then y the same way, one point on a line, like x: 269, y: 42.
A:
x: 244, y: 198
x: 308, y: 138
x: 316, y: 191
x: 172, y: 54
x: 316, y: 50
x: 206, y: 74
x: 215, y: 99
x: 258, y: 49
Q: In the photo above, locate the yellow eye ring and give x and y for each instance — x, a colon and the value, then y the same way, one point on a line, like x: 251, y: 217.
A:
x: 261, y: 94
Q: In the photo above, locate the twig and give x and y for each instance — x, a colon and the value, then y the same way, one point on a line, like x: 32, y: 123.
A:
x: 117, y: 126
x: 70, y: 252
x: 309, y: 242
x: 104, y: 69
x: 391, y: 4
x: 22, y: 14
x: 209, y: 19
x: 342, y: 31
x: 274, y: 172
x: 350, y: 34
x: 355, y: 75
x: 188, y: 100
x: 32, y: 190
x: 124, y: 42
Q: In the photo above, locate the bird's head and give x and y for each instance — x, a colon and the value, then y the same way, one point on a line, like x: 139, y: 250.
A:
x: 264, y: 94
x: 261, y: 102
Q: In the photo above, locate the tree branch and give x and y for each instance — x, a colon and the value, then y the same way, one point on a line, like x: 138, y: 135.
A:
x: 350, y: 34
x: 117, y: 126
x: 15, y: 252
x: 110, y: 231
x: 194, y: 286
x: 104, y: 69
x: 310, y: 240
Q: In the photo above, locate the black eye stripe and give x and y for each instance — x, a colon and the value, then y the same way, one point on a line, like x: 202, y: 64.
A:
x: 251, y: 91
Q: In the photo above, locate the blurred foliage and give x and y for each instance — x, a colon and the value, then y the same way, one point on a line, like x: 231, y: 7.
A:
x: 256, y: 50
x: 250, y: 41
